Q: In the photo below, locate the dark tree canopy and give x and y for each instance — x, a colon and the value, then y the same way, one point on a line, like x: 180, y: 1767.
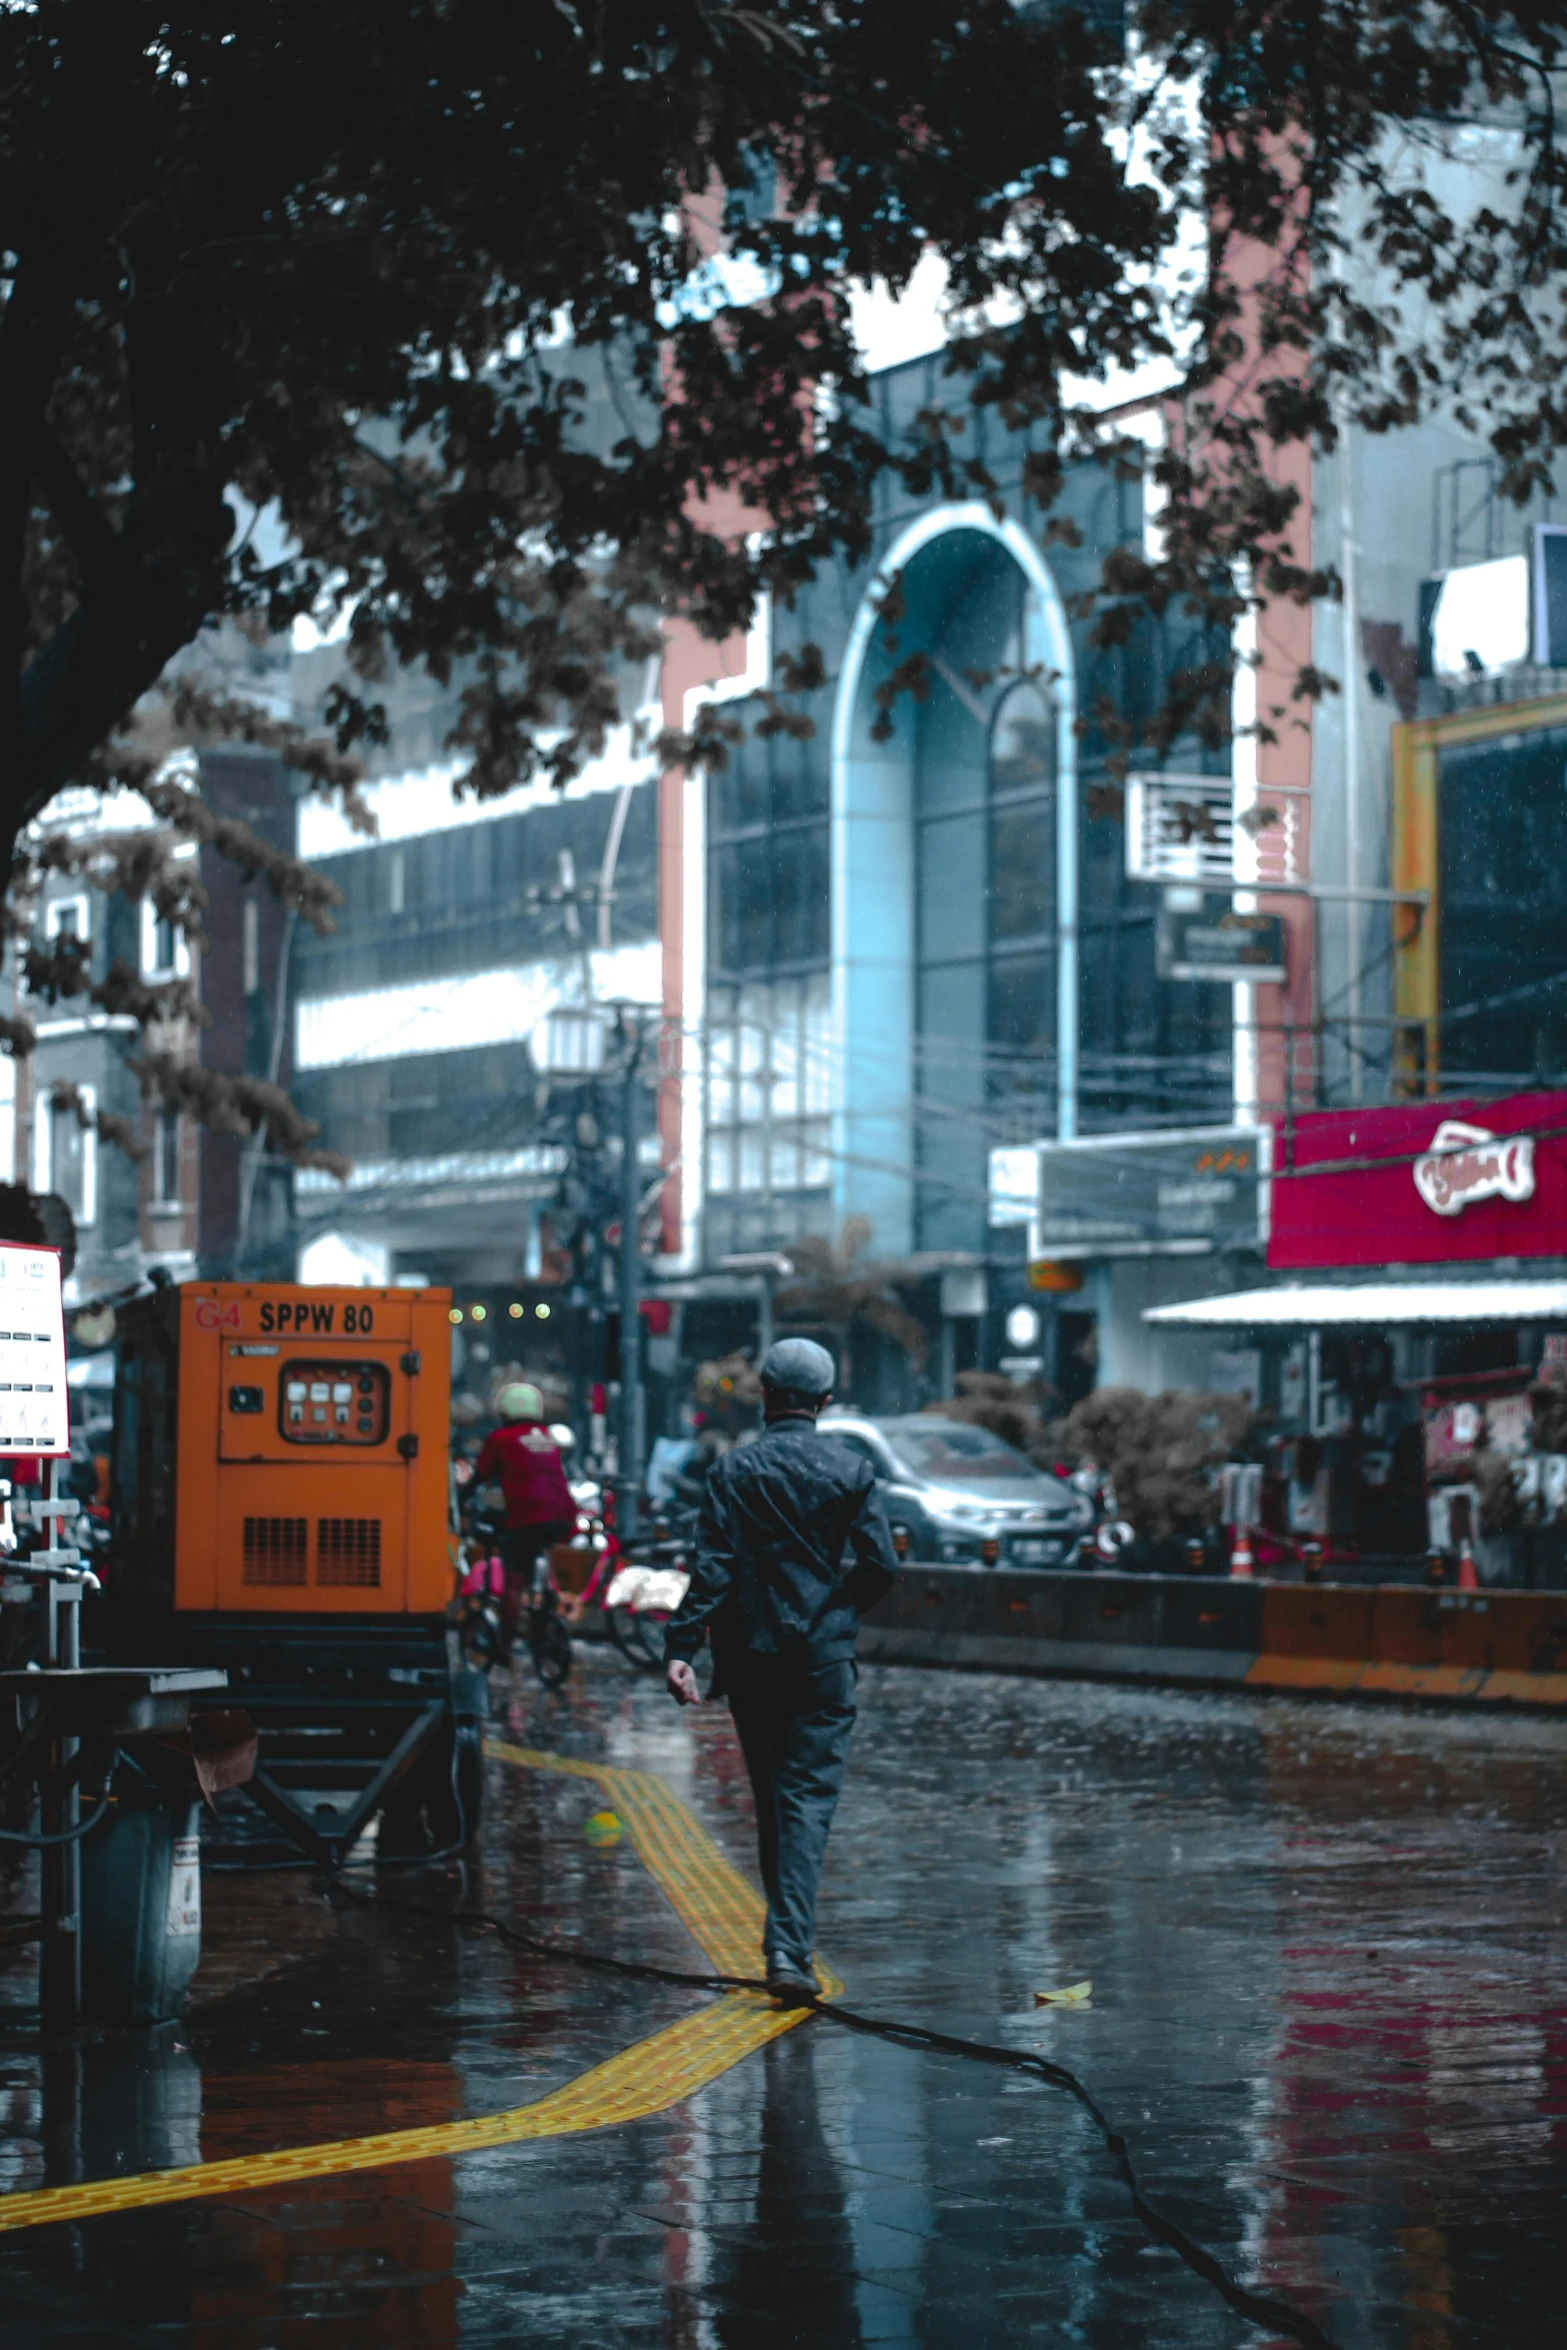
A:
x: 319, y: 260
x: 322, y: 256
x: 295, y: 291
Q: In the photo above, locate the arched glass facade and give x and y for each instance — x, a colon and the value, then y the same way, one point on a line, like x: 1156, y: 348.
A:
x: 922, y: 943
x: 983, y: 748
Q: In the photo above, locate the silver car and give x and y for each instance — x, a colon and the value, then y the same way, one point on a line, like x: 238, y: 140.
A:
x: 966, y: 1498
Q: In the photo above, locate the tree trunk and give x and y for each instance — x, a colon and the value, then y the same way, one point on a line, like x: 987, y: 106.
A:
x: 86, y: 680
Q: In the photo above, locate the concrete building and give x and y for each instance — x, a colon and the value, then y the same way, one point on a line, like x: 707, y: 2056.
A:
x: 129, y: 1214
x: 919, y: 959
x: 464, y: 925
x: 243, y: 1193
x: 1406, y: 838
x: 902, y: 949
x: 193, y: 1200
x: 901, y: 1012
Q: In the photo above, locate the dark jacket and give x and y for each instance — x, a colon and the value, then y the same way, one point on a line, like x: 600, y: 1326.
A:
x: 768, y: 1578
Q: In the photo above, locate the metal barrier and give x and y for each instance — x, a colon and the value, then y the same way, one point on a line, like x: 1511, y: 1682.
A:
x: 1388, y: 1640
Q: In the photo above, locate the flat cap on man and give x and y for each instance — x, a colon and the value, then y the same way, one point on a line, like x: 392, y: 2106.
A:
x: 798, y: 1366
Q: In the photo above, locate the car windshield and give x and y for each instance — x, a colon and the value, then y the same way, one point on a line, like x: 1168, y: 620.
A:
x: 952, y: 1454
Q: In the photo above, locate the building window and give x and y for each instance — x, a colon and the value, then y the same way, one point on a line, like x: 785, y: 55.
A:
x: 772, y: 899
x: 771, y: 894
x: 1501, y: 833
x: 984, y: 752
x: 753, y: 199
x: 250, y: 947
x: 68, y: 918
x: 1021, y: 854
x: 769, y: 1088
x: 65, y: 1152
x: 767, y: 1062
x: 166, y: 1160
x: 164, y: 953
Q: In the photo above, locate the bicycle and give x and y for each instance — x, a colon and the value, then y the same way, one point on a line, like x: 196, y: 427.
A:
x: 479, y: 1613
x: 549, y: 1641
x: 636, y: 1593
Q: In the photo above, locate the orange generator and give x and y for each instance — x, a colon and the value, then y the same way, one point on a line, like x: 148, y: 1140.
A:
x: 281, y: 1503
x: 281, y: 1448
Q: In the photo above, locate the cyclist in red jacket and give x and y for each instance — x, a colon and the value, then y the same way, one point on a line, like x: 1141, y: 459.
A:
x: 523, y: 1457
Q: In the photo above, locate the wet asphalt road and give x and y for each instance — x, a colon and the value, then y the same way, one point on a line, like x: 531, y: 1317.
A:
x: 1326, y: 1947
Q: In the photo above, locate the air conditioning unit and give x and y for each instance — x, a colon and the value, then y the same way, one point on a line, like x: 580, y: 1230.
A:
x: 1181, y: 828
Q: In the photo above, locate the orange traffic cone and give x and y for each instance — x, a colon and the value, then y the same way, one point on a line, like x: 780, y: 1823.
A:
x: 1468, y: 1580
x: 1241, y: 1562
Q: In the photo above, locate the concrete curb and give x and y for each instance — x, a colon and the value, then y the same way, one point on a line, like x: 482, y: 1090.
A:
x: 1387, y: 1640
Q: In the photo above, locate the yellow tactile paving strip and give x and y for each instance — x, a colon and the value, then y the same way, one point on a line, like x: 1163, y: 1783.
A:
x: 723, y: 1913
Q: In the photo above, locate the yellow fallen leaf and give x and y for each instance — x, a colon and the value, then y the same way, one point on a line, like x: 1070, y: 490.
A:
x: 1074, y: 1995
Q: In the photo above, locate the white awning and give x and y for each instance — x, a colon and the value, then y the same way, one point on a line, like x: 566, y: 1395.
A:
x: 1374, y: 1302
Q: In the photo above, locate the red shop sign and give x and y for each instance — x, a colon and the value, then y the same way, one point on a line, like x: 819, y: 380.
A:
x: 1427, y: 1183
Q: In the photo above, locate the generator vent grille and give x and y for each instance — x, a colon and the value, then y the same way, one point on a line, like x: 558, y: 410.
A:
x: 275, y: 1550
x: 348, y: 1550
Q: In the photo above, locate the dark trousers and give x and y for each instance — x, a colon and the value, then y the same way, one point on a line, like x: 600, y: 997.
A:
x: 794, y: 1727
x: 522, y: 1547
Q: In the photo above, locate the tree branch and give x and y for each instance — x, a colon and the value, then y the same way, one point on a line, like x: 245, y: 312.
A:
x: 100, y: 552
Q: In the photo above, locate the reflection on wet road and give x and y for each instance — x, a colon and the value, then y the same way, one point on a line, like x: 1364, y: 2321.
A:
x: 1326, y: 1947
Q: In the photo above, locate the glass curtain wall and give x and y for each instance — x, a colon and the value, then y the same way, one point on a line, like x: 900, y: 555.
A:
x: 987, y: 753
x: 985, y: 783
x: 1153, y: 1052
x: 767, y: 1057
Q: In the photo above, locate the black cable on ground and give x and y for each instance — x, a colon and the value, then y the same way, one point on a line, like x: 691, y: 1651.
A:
x: 1261, y: 2308
x: 332, y: 1868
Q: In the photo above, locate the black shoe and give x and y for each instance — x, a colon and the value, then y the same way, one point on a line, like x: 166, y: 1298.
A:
x: 788, y: 1986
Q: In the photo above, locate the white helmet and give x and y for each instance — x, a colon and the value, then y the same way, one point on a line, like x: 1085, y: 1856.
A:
x: 520, y: 1401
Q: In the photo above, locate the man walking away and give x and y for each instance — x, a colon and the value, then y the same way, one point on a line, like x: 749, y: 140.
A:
x: 525, y: 1458
x: 768, y: 1587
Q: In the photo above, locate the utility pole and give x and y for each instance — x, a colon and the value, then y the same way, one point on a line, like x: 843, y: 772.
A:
x: 1349, y: 572
x: 770, y: 1267
x: 629, y: 1444
x: 570, y: 1042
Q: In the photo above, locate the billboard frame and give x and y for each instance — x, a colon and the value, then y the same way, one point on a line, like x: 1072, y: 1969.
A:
x: 1178, y: 1138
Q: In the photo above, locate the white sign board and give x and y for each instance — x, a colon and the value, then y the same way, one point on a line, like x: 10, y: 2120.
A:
x: 33, y: 1408
x: 1181, y: 828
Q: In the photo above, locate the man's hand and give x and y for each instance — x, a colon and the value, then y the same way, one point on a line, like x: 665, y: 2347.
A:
x: 680, y: 1681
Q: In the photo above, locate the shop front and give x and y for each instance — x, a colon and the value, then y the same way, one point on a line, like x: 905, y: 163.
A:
x: 1412, y: 1335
